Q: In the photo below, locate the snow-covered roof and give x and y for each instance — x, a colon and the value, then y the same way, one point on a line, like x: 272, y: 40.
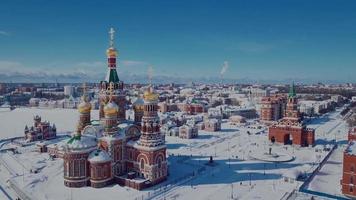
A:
x: 99, y: 156
x: 81, y: 142
x: 110, y: 138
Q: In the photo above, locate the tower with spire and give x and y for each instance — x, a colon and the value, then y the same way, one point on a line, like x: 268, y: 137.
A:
x: 292, y: 112
x: 151, y: 160
x: 113, y: 149
x: 118, y: 95
x: 291, y: 129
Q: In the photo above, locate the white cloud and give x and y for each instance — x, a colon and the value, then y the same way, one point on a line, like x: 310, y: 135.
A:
x: 4, y: 33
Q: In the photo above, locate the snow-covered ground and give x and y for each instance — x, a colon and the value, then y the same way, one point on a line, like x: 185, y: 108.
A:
x: 328, y: 178
x: 235, y: 174
x: 12, y: 123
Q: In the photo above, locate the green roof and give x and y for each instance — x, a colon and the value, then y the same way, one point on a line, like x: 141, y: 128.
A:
x: 291, y: 91
x: 75, y: 137
x: 112, y: 77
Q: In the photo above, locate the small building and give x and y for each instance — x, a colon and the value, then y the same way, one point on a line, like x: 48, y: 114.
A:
x: 212, y: 125
x: 170, y: 129
x: 237, y: 119
x: 41, y: 130
x: 188, y: 132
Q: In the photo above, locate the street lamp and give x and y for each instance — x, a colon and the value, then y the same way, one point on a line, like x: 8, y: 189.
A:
x: 250, y: 177
x: 232, y: 191
x: 264, y: 168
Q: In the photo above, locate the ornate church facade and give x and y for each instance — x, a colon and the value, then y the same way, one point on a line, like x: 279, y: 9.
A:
x: 112, y: 149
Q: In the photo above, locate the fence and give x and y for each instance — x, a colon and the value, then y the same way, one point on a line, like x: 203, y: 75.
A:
x: 316, y: 170
x: 303, y: 187
x: 169, y: 185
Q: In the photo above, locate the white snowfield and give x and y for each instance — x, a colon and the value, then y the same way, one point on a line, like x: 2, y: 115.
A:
x: 12, y: 123
x: 233, y: 174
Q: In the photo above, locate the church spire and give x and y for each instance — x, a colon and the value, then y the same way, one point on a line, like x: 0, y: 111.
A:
x: 291, y: 93
x: 111, y: 53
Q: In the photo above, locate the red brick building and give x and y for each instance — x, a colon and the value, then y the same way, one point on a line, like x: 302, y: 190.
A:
x: 192, y: 109
x: 290, y: 129
x: 349, y: 166
x: 273, y: 107
x: 352, y: 134
x: 41, y: 130
x: 349, y: 174
x: 114, y: 150
x: 164, y: 107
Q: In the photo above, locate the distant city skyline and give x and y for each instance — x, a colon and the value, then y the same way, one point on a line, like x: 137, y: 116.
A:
x: 257, y: 41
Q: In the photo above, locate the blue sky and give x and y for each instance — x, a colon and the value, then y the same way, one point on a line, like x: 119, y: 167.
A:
x: 261, y: 40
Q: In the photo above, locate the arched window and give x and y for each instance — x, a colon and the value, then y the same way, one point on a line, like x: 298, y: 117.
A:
x: 142, y: 164
x: 351, y: 189
x: 352, y: 168
x: 159, y: 162
x: 351, y: 180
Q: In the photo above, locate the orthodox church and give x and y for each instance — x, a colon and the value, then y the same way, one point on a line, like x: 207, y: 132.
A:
x: 112, y: 149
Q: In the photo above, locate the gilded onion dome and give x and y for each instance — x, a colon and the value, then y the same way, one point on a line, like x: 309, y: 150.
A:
x: 138, y: 104
x: 111, y: 109
x: 84, y: 106
x: 111, y: 52
x: 150, y: 95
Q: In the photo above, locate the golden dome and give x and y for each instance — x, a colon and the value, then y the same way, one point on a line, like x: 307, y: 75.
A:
x: 111, y: 52
x: 111, y: 109
x: 138, y: 104
x: 84, y: 106
x: 149, y: 95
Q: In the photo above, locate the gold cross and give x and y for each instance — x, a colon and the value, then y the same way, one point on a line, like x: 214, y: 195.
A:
x: 111, y: 90
x: 111, y: 33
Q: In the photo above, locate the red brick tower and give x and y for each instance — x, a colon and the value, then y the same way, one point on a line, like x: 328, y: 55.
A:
x: 292, y: 112
x: 84, y: 109
x: 112, y: 142
x: 290, y: 129
x: 349, y: 171
x: 110, y: 113
x: 151, y: 160
x: 111, y: 77
x: 138, y: 107
x: 76, y: 152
